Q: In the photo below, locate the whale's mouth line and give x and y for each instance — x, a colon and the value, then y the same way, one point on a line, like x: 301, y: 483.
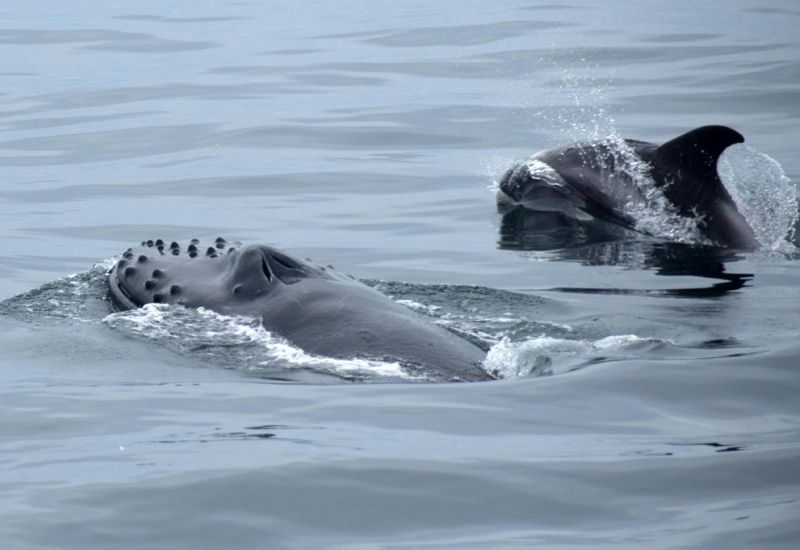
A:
x: 119, y: 298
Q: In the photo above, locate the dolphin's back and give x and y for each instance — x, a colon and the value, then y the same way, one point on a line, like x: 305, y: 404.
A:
x: 601, y: 181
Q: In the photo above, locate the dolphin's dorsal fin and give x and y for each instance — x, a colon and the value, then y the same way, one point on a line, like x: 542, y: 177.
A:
x: 698, y: 150
x: 686, y: 167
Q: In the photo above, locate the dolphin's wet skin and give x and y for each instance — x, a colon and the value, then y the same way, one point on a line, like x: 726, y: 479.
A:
x: 316, y: 308
x: 578, y: 185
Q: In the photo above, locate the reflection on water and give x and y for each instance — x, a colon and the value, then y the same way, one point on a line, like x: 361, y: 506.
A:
x: 524, y: 229
x: 361, y: 134
x: 597, y: 243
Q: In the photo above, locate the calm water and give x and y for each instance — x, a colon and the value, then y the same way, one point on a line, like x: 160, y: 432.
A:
x: 649, y: 391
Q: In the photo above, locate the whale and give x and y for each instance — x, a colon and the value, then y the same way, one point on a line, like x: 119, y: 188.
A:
x: 316, y: 308
x: 597, y: 181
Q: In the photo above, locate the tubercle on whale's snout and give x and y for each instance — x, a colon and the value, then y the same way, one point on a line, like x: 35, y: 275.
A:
x: 135, y: 280
x: 219, y: 246
x: 145, y: 275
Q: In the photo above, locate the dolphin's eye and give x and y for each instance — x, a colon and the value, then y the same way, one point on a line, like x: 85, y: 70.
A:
x: 265, y: 269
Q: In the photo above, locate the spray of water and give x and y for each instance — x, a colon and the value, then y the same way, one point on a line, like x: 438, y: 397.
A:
x: 756, y: 182
x: 763, y: 194
x: 546, y: 355
x: 586, y: 119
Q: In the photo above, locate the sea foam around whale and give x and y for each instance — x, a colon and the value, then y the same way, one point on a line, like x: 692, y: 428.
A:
x: 243, y: 341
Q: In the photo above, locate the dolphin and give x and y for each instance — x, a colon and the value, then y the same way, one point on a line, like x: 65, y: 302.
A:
x: 596, y: 181
x: 315, y: 308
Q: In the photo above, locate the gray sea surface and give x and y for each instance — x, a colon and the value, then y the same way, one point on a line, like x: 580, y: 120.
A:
x: 647, y: 391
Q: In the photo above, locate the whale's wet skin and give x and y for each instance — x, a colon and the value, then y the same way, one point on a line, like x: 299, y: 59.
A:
x: 599, y: 186
x: 321, y: 311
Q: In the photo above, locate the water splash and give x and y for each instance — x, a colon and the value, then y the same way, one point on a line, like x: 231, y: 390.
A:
x: 546, y: 355
x: 756, y: 182
x: 586, y: 119
x: 762, y: 193
x: 642, y: 199
x: 483, y: 316
x: 243, y: 343
x: 78, y: 297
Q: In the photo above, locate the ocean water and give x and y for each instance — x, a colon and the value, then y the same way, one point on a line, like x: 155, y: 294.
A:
x: 647, y: 391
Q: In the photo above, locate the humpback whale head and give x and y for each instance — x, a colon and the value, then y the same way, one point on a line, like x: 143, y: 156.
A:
x: 315, y: 308
x: 221, y: 277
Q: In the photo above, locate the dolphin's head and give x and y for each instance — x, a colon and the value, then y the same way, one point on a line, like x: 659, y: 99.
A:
x: 219, y: 277
x: 533, y: 184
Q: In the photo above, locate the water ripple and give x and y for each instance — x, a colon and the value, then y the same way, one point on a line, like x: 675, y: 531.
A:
x: 102, y: 39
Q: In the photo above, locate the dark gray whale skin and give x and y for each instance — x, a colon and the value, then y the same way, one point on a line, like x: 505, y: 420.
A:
x: 586, y: 177
x: 317, y: 309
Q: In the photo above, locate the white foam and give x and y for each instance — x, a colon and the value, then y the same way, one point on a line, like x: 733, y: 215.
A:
x: 538, y: 356
x: 653, y: 213
x: 202, y: 328
x: 762, y: 193
x: 416, y: 306
x: 147, y: 321
x: 588, y: 119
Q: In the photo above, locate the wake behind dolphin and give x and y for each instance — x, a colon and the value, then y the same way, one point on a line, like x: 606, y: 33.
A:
x: 317, y: 309
x: 591, y: 181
